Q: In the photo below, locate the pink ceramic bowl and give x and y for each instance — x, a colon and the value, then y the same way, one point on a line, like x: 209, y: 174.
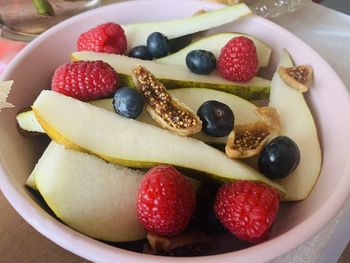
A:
x: 297, y: 222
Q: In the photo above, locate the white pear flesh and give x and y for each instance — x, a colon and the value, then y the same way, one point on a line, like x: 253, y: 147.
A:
x: 214, y: 43
x: 192, y: 97
x: 31, y: 181
x: 137, y: 33
x: 91, y: 196
x: 27, y: 122
x: 298, y: 124
x: 82, y: 126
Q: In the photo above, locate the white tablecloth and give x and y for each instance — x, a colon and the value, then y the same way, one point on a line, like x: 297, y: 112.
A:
x: 328, y: 32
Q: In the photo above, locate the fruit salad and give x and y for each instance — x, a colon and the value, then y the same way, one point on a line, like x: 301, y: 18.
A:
x: 156, y: 141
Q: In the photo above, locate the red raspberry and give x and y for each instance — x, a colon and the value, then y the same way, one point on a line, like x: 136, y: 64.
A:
x: 165, y: 201
x: 238, y: 60
x: 107, y: 38
x: 85, y: 80
x: 247, y: 209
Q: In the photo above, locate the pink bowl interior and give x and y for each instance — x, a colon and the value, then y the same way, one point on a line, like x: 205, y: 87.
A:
x: 297, y: 222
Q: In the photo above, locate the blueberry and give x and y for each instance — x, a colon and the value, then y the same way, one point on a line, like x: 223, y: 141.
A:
x: 140, y: 52
x: 128, y: 102
x: 279, y: 157
x: 217, y: 118
x: 201, y: 61
x: 158, y: 45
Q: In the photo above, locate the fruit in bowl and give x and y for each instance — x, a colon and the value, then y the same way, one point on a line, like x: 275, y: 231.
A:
x: 49, y: 105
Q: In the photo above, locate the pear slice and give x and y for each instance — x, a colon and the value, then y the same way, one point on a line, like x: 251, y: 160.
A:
x: 85, y: 127
x: 297, y: 123
x: 176, y: 76
x: 27, y: 122
x: 214, y: 43
x: 137, y: 33
x: 91, y: 196
x: 192, y: 97
x: 196, y: 184
x: 195, y: 97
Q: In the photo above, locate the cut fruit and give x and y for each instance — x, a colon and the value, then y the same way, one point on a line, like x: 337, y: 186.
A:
x: 31, y: 181
x: 270, y: 117
x: 91, y: 196
x: 298, y: 124
x: 27, y: 122
x: 247, y: 140
x: 192, y: 97
x: 196, y: 184
x: 84, y: 127
x: 167, y: 111
x: 137, y: 33
x: 297, y: 77
x: 175, y: 76
x: 214, y: 43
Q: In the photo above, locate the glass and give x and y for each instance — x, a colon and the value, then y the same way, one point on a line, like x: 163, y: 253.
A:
x: 274, y: 8
x: 25, y: 19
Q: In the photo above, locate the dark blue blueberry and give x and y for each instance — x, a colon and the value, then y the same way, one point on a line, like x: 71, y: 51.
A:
x: 279, y: 157
x: 201, y: 61
x: 218, y: 119
x: 128, y: 102
x: 140, y: 52
x: 158, y: 45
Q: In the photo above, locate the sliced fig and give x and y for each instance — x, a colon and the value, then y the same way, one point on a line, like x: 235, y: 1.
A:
x: 247, y: 140
x: 270, y: 117
x: 166, y: 110
x: 192, y: 242
x: 297, y: 77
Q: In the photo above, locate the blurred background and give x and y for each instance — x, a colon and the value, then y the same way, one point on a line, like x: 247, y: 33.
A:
x: 30, y: 17
x: 339, y: 5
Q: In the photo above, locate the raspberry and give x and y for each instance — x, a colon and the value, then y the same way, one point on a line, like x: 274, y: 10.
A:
x: 107, y: 38
x: 165, y: 201
x: 238, y: 60
x: 247, y: 209
x: 85, y: 80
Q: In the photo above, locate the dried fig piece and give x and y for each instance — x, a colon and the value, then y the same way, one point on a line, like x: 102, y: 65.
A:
x: 270, y: 117
x: 166, y: 110
x: 199, y: 12
x: 247, y: 140
x: 191, y: 242
x: 297, y: 77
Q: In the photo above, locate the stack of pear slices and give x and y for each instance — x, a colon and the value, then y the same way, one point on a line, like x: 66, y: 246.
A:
x: 81, y: 174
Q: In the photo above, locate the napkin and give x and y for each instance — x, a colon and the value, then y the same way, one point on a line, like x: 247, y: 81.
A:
x: 5, y: 87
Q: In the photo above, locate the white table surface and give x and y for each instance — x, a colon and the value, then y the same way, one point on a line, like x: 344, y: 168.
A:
x: 327, y: 32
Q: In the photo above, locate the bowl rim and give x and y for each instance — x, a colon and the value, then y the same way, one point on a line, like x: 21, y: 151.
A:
x: 97, y: 251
